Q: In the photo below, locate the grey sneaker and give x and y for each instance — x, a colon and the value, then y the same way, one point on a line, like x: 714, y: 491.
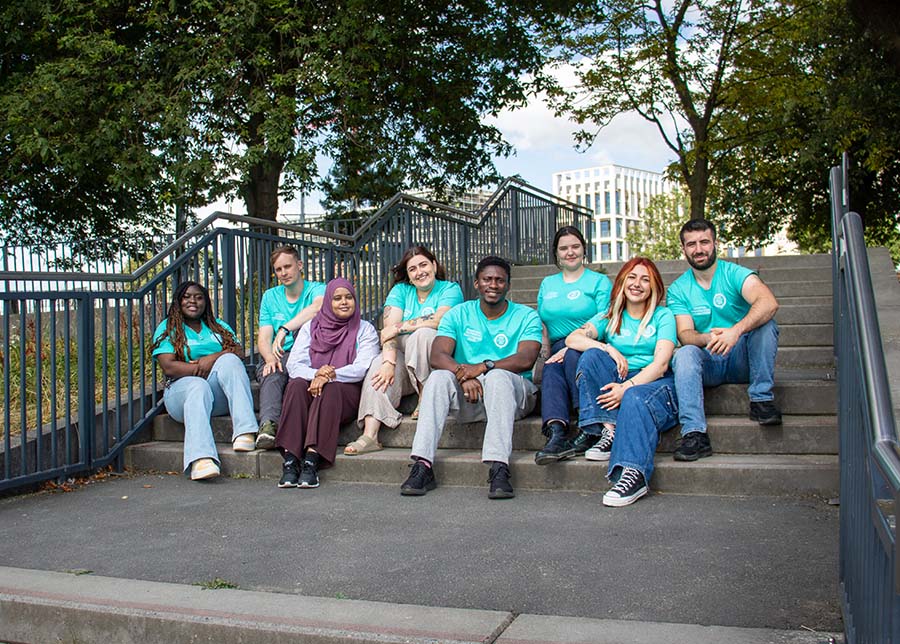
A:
x: 603, y: 448
x: 265, y: 439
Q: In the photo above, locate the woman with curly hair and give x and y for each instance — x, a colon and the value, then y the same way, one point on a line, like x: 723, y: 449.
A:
x: 625, y: 384
x: 205, y: 377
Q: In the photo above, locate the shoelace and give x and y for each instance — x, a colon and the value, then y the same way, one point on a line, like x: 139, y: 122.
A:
x: 628, y: 479
x: 418, y: 473
x: 495, y: 473
x: 606, y: 439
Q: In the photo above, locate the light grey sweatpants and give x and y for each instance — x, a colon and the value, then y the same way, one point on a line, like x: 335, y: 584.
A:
x: 271, y: 390
x: 507, y: 397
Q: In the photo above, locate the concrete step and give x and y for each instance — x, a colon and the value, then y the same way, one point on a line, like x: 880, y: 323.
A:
x: 723, y: 475
x: 527, y: 292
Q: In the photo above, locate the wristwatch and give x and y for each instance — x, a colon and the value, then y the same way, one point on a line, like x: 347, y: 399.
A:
x: 488, y: 365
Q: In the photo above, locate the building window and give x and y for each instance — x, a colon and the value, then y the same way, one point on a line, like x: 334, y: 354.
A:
x: 578, y: 199
x: 619, y: 252
x: 618, y: 201
x: 618, y: 227
x: 604, y: 227
x: 597, y: 203
x: 605, y: 252
x: 606, y: 201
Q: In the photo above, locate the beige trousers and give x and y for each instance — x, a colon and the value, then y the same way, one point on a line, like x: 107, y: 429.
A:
x: 413, y: 353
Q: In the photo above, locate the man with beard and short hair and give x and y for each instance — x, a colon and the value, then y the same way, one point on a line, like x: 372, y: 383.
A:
x: 724, y: 316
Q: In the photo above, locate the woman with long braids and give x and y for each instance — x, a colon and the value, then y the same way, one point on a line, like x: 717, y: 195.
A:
x: 626, y: 387
x: 205, y: 376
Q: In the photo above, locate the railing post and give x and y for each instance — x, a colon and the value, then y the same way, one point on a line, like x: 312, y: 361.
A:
x: 86, y: 403
x: 514, y: 226
x: 464, y: 262
x: 229, y: 284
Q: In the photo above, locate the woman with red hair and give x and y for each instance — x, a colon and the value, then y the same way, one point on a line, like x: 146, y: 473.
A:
x: 625, y: 384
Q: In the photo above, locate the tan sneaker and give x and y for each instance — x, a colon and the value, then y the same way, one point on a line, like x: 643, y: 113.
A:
x: 204, y: 468
x: 244, y: 443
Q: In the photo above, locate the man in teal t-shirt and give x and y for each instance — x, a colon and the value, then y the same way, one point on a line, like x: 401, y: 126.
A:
x: 283, y: 310
x: 724, y: 315
x: 482, y: 359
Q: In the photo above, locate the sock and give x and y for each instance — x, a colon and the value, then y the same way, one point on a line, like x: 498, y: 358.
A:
x: 419, y: 459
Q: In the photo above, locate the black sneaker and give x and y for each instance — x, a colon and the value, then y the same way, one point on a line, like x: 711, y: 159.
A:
x: 501, y: 488
x: 309, y: 475
x: 693, y: 445
x: 419, y: 481
x: 629, y: 488
x: 603, y: 448
x: 265, y: 439
x: 290, y: 473
x: 579, y: 445
x: 765, y: 413
x: 557, y: 443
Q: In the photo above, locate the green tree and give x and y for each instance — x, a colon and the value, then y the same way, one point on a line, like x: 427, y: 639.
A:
x: 672, y: 63
x: 112, y: 112
x: 656, y: 234
x: 819, y: 86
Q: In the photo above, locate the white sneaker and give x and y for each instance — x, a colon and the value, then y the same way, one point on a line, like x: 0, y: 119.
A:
x: 244, y: 443
x: 204, y: 468
x: 603, y: 448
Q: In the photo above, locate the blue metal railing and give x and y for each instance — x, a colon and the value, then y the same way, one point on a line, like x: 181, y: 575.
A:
x: 78, y: 383
x: 869, y: 446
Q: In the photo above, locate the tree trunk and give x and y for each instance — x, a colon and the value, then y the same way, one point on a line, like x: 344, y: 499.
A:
x: 697, y: 184
x: 260, y: 192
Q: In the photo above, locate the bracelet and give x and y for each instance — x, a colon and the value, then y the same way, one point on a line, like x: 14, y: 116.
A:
x: 283, y: 328
x: 393, y: 364
x: 632, y: 382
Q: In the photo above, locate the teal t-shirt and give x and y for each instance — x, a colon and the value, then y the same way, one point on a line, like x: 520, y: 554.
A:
x: 638, y: 350
x: 199, y: 344
x: 275, y: 310
x: 566, y: 307
x: 404, y: 297
x: 479, y: 339
x: 720, y: 306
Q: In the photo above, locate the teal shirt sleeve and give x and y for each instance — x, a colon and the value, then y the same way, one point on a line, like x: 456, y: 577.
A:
x: 165, y: 346
x: 599, y: 322
x: 533, y: 330
x: 396, y: 297
x: 265, y: 309
x: 602, y: 294
x: 450, y: 323
x: 665, y: 325
x: 451, y: 295
x: 311, y: 291
x: 675, y: 298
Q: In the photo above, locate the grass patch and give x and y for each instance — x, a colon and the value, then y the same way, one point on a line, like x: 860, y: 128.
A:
x: 215, y: 584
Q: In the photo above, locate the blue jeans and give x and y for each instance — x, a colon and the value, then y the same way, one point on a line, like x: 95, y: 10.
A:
x: 751, y: 360
x: 559, y: 394
x: 193, y: 400
x: 645, y: 411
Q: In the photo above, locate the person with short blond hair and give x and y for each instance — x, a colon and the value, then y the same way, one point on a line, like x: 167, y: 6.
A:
x: 283, y: 309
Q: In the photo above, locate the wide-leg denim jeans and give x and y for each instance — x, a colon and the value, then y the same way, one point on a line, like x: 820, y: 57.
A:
x: 645, y: 411
x: 193, y: 400
x: 751, y: 360
x: 559, y: 392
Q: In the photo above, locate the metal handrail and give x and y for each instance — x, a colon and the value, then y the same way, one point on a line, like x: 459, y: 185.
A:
x: 886, y: 446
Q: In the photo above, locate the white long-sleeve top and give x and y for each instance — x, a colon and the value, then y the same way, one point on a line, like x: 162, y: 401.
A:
x: 367, y: 347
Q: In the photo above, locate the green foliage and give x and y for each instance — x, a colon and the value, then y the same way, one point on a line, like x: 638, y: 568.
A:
x: 819, y: 85
x: 672, y: 63
x: 656, y: 235
x: 112, y: 113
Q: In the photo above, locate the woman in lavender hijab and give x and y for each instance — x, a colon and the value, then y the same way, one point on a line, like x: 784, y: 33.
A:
x: 328, y: 362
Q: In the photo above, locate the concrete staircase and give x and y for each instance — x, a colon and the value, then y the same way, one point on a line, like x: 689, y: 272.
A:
x: 800, y: 457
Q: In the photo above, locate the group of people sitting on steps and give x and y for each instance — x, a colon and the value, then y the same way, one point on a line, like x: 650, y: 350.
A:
x: 607, y: 350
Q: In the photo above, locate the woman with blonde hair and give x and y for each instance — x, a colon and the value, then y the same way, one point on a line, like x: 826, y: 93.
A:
x: 625, y: 382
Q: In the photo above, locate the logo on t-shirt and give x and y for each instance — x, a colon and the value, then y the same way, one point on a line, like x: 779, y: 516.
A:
x: 649, y: 331
x: 427, y: 311
x: 501, y: 340
x: 550, y: 295
x: 574, y: 295
x: 472, y: 335
x: 719, y: 300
